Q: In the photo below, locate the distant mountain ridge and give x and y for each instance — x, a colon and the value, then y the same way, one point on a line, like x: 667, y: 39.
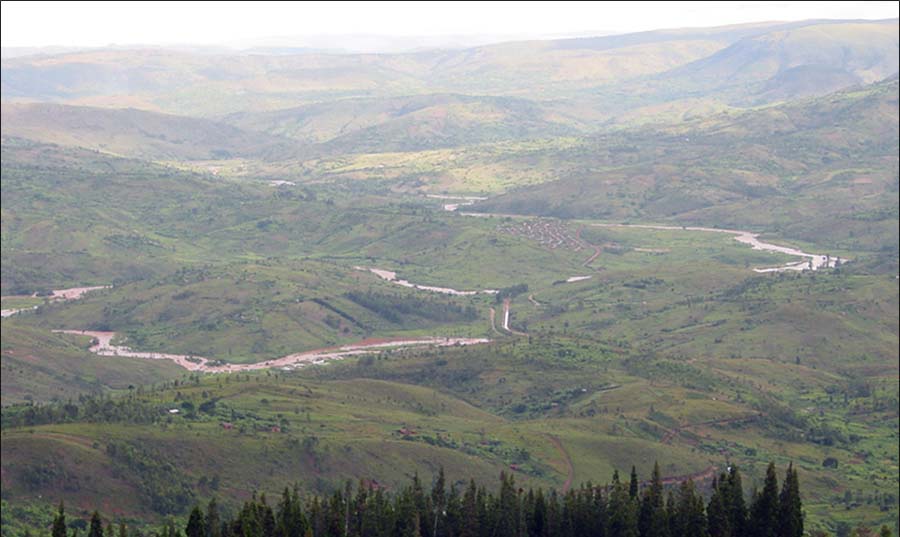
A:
x: 738, y: 64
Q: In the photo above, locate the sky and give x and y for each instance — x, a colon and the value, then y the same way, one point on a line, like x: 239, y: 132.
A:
x: 242, y: 24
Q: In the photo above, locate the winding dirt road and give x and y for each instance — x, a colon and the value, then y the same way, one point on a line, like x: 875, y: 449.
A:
x: 506, y: 320
x: 670, y: 435
x: 596, y: 249
x: 57, y: 295
x: 391, y: 276
x: 810, y: 262
x: 570, y: 468
x: 493, y: 322
x: 103, y: 346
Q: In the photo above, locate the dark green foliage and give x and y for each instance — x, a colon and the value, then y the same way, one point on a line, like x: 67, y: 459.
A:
x: 735, y: 505
x: 397, y: 307
x: 652, y: 517
x: 717, y: 509
x: 633, y: 484
x: 512, y: 512
x: 167, y: 490
x: 690, y: 519
x: 765, y: 509
x: 511, y: 292
x: 96, y: 529
x: 622, y: 512
x: 790, y: 519
x: 196, y: 526
x: 59, y: 523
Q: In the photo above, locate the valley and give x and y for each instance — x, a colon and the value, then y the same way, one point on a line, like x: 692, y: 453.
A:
x: 226, y: 274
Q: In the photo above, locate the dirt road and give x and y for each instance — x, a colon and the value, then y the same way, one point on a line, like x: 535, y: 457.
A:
x: 57, y: 295
x: 391, y: 276
x: 570, y: 468
x: 669, y: 436
x: 595, y: 248
x: 810, y: 261
x: 506, y: 320
x: 103, y: 346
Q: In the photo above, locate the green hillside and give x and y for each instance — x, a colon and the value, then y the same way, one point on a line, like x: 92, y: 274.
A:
x: 409, y: 123
x: 135, y: 133
x: 788, y: 170
x: 677, y: 246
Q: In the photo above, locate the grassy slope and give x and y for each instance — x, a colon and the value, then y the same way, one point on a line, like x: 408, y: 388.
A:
x: 788, y: 170
x: 134, y: 133
x: 409, y: 123
x: 39, y: 366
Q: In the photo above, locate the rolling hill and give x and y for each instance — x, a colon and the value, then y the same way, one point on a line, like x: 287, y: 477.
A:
x: 410, y: 123
x: 627, y: 71
x: 135, y: 133
x: 823, y: 170
x: 797, y: 62
x: 239, y: 207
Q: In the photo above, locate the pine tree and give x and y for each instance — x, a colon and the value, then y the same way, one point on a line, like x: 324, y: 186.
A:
x: 454, y: 512
x: 96, y: 529
x: 438, y: 502
x: 790, y: 519
x: 652, y: 516
x: 213, y: 522
x: 633, y: 484
x: 717, y: 509
x: 536, y: 521
x: 622, y: 515
x: 765, y: 510
x: 735, y: 504
x: 195, y: 526
x: 508, y: 514
x: 470, y: 511
x: 59, y: 523
x: 671, y: 514
x: 690, y: 518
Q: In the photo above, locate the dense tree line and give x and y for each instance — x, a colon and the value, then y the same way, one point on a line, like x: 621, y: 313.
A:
x: 88, y: 408
x: 620, y: 509
x: 395, y: 307
x: 511, y: 292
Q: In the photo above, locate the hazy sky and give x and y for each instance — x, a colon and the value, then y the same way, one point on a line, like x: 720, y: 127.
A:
x: 102, y: 23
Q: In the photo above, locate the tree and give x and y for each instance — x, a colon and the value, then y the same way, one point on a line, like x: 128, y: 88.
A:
x: 691, y: 518
x: 765, y: 509
x: 213, y: 522
x: 59, y: 523
x: 633, y: 484
x: 622, y: 515
x: 470, y: 511
x: 96, y: 529
x: 438, y: 501
x: 195, y: 526
x: 652, y: 515
x: 790, y: 518
x: 717, y: 509
x: 735, y: 505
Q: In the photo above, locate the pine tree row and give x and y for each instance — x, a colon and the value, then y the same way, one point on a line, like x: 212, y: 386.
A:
x: 616, y: 510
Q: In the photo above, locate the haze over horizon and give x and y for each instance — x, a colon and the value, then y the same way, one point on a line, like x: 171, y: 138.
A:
x: 379, y: 27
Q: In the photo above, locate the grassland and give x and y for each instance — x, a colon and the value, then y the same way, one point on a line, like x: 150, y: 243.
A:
x: 666, y: 346
x: 673, y: 350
